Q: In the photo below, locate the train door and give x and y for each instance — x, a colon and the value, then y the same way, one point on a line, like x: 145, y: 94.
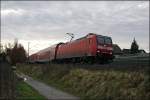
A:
x: 101, y: 43
x: 92, y: 45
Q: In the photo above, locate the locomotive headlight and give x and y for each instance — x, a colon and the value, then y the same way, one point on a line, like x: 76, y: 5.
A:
x: 98, y: 51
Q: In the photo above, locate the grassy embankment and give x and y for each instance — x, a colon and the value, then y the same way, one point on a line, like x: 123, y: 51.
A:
x: 100, y: 84
x: 26, y: 92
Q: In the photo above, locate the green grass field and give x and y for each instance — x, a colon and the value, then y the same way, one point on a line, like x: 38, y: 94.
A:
x: 102, y: 84
x: 26, y: 92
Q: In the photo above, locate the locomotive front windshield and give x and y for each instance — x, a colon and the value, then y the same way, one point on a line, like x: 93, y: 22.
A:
x: 104, y: 40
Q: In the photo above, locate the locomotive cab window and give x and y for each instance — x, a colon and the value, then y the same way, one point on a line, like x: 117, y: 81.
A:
x: 100, y: 40
x: 104, y: 40
x: 108, y: 40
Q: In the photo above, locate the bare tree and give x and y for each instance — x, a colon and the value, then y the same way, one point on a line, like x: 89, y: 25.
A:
x: 17, y: 54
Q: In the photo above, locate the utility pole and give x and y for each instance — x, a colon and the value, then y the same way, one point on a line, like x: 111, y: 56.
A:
x: 0, y: 47
x: 0, y: 44
x: 28, y: 50
x: 72, y: 36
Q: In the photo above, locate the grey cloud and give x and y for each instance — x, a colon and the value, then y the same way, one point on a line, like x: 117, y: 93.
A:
x: 47, y: 20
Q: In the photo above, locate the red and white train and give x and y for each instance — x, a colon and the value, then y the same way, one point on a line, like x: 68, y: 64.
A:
x: 91, y: 48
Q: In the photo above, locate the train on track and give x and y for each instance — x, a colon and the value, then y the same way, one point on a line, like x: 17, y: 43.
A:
x: 89, y: 49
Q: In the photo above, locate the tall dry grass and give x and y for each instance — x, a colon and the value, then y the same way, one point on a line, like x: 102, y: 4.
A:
x: 102, y: 84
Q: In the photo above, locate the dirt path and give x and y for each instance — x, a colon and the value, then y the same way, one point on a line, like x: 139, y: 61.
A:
x: 49, y: 92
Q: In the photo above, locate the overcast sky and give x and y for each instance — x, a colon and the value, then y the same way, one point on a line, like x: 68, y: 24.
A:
x: 43, y: 23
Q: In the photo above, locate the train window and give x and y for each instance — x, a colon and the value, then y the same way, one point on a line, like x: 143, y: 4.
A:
x: 108, y: 40
x: 100, y: 40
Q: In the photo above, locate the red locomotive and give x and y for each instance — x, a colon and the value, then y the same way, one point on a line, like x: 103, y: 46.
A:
x: 91, y: 48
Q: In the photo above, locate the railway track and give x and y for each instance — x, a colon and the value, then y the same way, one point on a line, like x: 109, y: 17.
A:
x: 132, y: 61
x: 123, y: 63
x: 119, y: 63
